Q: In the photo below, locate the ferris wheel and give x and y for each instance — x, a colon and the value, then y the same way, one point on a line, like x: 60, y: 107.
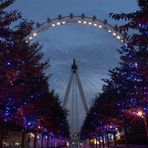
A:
x: 76, y: 41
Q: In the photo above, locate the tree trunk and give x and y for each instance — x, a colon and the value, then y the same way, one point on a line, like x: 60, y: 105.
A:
x: 42, y: 142
x: 146, y: 127
x: 99, y: 142
x: 103, y: 142
x: 96, y: 142
x: 35, y: 135
x: 28, y: 142
x: 87, y: 143
x: 47, y: 141
x: 107, y: 139
x: 1, y: 137
x: 1, y: 140
x: 54, y: 142
x: 23, y: 140
x: 125, y: 136
x: 115, y: 140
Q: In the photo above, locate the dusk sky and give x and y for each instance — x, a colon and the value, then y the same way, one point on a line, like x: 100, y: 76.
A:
x: 94, y: 50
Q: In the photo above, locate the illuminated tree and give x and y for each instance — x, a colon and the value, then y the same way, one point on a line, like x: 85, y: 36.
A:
x: 103, y: 116
x: 22, y: 79
x: 134, y: 65
x: 129, y: 81
x: 51, y: 115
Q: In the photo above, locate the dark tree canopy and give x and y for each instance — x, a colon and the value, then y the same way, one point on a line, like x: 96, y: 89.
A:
x: 125, y: 93
x: 26, y: 101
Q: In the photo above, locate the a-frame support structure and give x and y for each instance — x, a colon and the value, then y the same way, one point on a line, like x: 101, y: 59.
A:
x: 74, y: 73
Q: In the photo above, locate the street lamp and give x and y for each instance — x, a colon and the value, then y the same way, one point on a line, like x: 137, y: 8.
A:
x: 141, y: 114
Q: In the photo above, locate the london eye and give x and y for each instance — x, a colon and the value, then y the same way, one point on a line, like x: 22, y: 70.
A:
x: 86, y: 40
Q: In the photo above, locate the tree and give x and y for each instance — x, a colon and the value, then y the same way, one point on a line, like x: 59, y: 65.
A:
x: 134, y: 57
x: 22, y: 79
x: 50, y: 115
x: 103, y: 114
x: 7, y: 74
x: 134, y: 62
x: 128, y: 82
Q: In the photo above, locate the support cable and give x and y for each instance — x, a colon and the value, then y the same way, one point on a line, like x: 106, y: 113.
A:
x: 67, y: 91
x: 77, y: 108
x: 81, y: 93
